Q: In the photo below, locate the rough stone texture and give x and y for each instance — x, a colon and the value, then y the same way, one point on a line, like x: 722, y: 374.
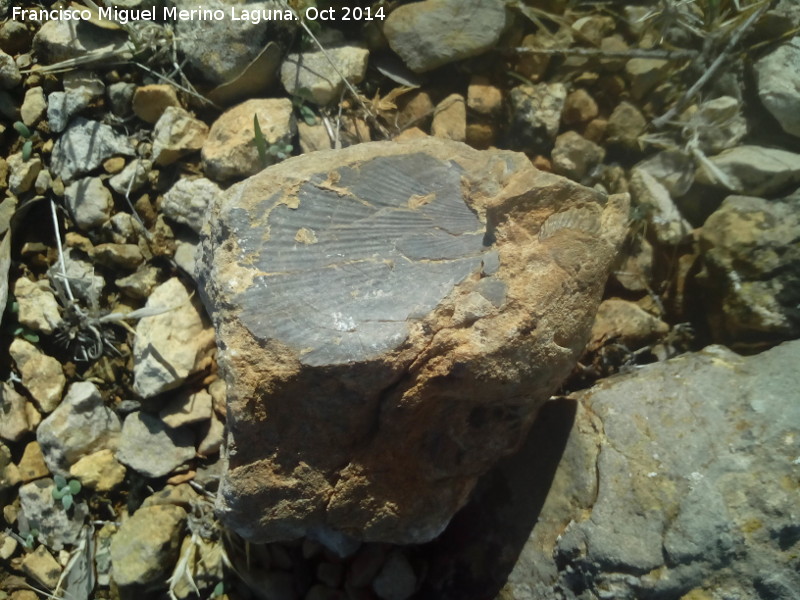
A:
x: 719, y: 124
x: 176, y: 134
x: 59, y: 40
x: 150, y: 101
x: 536, y: 115
x: 187, y: 201
x: 677, y: 481
x: 751, y: 274
x: 38, y: 307
x: 57, y: 527
x: 450, y: 119
x: 80, y: 90
x: 84, y: 146
x: 131, y: 178
x: 624, y: 322
x: 221, y: 49
x: 172, y: 345
x: 312, y: 76
x: 89, y: 202
x: 147, y: 445
x: 34, y: 106
x: 625, y: 124
x: 80, y: 425
x: 9, y: 72
x: 778, y: 81
x: 41, y: 374
x: 354, y: 392
x: 15, y: 421
x: 658, y: 208
x: 145, y: 548
x: 99, y: 471
x: 754, y: 170
x: 576, y: 157
x: 429, y: 34
x: 23, y: 173
x: 230, y: 151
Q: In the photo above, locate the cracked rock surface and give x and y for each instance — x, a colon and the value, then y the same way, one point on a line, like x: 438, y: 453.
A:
x: 662, y: 489
x: 361, y: 401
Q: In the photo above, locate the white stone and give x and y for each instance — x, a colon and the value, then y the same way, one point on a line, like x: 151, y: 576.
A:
x: 89, y: 201
x: 170, y: 346
x: 38, y: 308
x: 186, y: 201
x: 778, y: 81
x: 81, y: 425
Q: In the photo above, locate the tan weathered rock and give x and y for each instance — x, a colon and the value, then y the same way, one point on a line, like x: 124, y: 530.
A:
x: 99, y: 471
x: 146, y: 546
x: 390, y: 318
x: 38, y: 308
x: 150, y: 101
x: 177, y: 134
x: 41, y: 375
x: 171, y: 345
x: 230, y: 150
x: 450, y: 119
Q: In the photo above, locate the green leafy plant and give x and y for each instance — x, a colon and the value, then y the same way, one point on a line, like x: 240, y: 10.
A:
x: 301, y: 108
x: 279, y: 150
x: 30, y: 539
x: 26, y: 134
x: 66, y: 491
x: 261, y: 143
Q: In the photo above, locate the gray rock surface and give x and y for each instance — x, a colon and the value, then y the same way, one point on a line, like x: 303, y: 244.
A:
x: 176, y: 134
x: 671, y: 485
x: 312, y: 76
x: 9, y: 72
x: 89, y: 202
x: 145, y: 549
x: 576, y: 157
x: 132, y: 178
x: 84, y: 146
x: 59, y: 40
x: 751, y: 269
x: 80, y: 425
x: 38, y: 510
x: 378, y: 388
x: 172, y: 345
x: 221, y: 49
x: 778, y: 80
x: 755, y: 170
x: 23, y: 173
x: 536, y: 115
x: 148, y: 446
x: 432, y: 33
x: 16, y: 421
x: 658, y: 208
x: 80, y: 90
x: 187, y: 201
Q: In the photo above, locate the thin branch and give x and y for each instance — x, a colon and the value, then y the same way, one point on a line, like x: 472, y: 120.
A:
x: 62, y: 264
x: 598, y: 52
x: 659, y: 122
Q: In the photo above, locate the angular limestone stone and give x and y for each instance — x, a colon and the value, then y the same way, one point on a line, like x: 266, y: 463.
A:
x: 390, y: 317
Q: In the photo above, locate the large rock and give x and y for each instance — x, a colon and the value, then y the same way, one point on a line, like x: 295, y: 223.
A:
x: 751, y: 270
x: 390, y: 317
x: 778, y: 79
x: 669, y: 485
x: 433, y: 33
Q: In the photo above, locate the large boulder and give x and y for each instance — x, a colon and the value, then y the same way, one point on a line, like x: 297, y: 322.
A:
x: 677, y: 480
x: 390, y: 317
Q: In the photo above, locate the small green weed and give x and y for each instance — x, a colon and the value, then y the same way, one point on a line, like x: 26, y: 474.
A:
x: 66, y: 491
